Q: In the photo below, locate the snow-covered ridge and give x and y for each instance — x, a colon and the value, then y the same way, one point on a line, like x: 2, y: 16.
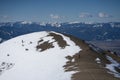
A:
x: 21, y: 60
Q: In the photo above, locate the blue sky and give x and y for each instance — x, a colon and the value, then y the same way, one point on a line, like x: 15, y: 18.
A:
x: 60, y: 10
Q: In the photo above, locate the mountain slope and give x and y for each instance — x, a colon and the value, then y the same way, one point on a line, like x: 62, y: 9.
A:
x: 94, y: 65
x: 48, y: 55
x: 36, y: 56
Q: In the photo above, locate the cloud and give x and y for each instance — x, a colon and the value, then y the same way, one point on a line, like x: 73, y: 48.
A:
x: 4, y: 17
x: 55, y: 16
x: 103, y: 15
x: 85, y: 15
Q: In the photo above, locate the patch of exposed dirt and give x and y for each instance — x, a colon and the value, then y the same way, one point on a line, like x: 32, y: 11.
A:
x: 44, y: 46
x: 40, y: 41
x: 61, y: 42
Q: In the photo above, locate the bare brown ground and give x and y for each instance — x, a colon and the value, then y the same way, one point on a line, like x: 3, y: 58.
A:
x: 61, y: 42
x: 44, y: 46
x: 85, y: 65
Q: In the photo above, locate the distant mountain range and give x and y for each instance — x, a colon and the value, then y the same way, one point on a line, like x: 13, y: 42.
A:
x: 87, y: 31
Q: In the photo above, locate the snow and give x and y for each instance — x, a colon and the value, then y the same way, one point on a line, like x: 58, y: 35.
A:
x: 74, y: 22
x: 55, y: 24
x: 112, y: 65
x: 26, y: 22
x: 115, y: 25
x: 32, y: 64
x: 105, y: 33
x: 98, y: 25
x: 42, y: 24
x: 98, y: 60
x: 73, y: 60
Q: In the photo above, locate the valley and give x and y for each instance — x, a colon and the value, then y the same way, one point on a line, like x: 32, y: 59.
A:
x: 113, y: 46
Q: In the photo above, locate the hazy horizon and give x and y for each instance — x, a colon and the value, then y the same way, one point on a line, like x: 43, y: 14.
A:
x: 60, y: 10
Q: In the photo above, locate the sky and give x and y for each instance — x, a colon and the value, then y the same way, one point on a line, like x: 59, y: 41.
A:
x: 60, y: 10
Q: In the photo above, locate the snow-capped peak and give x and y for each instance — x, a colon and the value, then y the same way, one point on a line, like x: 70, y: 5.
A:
x: 26, y: 22
x: 98, y: 25
x: 36, y: 56
x: 42, y: 24
x: 55, y: 24
x: 74, y: 22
